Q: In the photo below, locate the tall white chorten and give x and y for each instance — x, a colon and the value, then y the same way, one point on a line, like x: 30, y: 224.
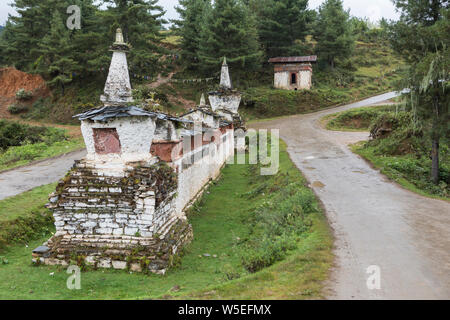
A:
x: 118, y: 87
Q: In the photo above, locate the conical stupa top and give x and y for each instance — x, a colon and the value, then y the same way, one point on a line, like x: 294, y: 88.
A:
x: 117, y: 87
x: 119, y: 37
x: 225, y: 80
x: 202, y: 100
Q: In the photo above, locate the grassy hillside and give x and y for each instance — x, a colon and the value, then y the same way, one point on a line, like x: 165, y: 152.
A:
x: 374, y: 70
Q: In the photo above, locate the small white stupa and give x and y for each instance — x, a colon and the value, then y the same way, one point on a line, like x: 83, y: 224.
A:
x: 225, y: 99
x: 118, y: 87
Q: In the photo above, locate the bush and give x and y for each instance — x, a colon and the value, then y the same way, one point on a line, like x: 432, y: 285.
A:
x: 39, y: 110
x: 24, y: 95
x: 279, y: 222
x: 17, y: 108
x: 27, y: 152
x: 16, y: 134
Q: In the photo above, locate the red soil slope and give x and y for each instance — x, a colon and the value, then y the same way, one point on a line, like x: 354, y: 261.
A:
x: 11, y: 80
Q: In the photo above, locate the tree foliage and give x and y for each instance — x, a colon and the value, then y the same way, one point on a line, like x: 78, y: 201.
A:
x: 283, y: 25
x: 30, y: 40
x: 189, y: 27
x: 333, y: 33
x: 141, y: 22
x: 229, y: 31
x: 421, y: 38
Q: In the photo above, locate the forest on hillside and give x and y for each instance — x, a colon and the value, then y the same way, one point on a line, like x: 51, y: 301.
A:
x: 246, y: 32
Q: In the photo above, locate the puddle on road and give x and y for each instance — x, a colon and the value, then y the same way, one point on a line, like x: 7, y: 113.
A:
x: 318, y: 184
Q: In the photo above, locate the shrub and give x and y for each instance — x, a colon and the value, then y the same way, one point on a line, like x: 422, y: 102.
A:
x: 16, y: 134
x: 24, y: 95
x: 278, y: 223
x: 17, y: 108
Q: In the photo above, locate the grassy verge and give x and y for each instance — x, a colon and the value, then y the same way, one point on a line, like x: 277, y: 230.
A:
x: 22, y: 155
x: 243, y: 223
x: 23, y: 217
x: 358, y: 119
x: 21, y: 143
x: 406, y: 170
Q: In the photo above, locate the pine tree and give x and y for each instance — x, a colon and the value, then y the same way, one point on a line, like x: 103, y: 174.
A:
x: 189, y: 27
x: 56, y: 52
x: 26, y: 29
x: 20, y: 45
x: 421, y: 38
x: 229, y: 31
x: 141, y: 22
x: 281, y: 24
x: 91, y: 42
x: 333, y: 33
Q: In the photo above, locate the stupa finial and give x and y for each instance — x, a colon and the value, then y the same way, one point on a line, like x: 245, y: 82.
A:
x: 119, y: 37
x: 118, y: 87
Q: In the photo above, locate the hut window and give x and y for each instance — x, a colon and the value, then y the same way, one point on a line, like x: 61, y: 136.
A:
x: 106, y: 141
x: 293, y: 78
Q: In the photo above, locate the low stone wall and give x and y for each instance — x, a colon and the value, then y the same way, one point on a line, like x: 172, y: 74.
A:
x: 98, y: 215
x: 137, y: 201
x: 138, y: 254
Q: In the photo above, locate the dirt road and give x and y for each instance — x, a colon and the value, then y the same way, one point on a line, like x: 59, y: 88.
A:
x: 19, y: 180
x: 375, y: 221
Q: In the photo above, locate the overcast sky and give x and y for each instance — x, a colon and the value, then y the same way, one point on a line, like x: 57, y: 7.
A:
x: 372, y: 9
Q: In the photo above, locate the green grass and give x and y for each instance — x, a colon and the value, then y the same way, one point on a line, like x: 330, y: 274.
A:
x: 222, y: 223
x: 408, y: 171
x: 23, y: 217
x: 358, y: 119
x: 23, y: 155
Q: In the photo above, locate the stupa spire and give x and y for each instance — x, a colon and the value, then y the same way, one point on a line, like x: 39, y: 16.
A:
x: 118, y: 87
x: 225, y: 80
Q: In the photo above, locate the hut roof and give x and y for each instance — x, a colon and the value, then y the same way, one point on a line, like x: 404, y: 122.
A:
x: 299, y: 59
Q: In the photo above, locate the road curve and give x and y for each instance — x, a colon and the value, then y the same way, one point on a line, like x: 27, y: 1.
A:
x: 375, y: 221
x: 16, y: 181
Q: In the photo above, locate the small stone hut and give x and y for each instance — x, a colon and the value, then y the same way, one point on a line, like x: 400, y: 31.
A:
x: 293, y: 73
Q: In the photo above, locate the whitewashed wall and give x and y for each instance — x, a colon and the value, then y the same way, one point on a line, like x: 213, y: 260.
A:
x: 228, y: 102
x: 305, y: 79
x: 191, y: 180
x: 282, y: 80
x: 135, y: 135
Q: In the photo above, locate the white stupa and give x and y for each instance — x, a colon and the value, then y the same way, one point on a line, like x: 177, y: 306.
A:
x: 118, y: 87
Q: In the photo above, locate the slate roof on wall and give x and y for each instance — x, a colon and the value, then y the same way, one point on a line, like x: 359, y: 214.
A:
x: 107, y: 113
x: 293, y: 59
